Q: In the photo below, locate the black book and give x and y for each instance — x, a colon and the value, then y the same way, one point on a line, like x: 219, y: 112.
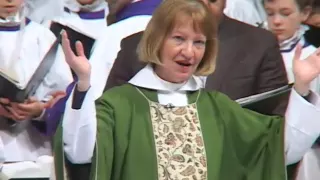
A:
x: 74, y: 36
x: 16, y: 91
x: 261, y: 101
x: 313, y: 36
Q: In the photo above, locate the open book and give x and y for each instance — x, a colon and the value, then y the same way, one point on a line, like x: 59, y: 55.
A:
x: 269, y: 98
x: 15, y: 90
x: 28, y: 170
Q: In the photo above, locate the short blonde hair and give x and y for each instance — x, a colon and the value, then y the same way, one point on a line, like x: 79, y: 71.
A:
x: 166, y: 17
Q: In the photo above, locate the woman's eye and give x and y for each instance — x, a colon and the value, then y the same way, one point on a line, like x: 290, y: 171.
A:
x: 200, y: 43
x: 178, y: 38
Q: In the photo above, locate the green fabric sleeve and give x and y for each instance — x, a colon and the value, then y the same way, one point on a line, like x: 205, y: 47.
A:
x: 257, y: 140
x: 102, y: 161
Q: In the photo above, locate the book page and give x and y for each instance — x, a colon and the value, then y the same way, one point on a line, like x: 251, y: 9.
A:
x: 76, y: 25
x: 10, y: 75
x: 6, y: 70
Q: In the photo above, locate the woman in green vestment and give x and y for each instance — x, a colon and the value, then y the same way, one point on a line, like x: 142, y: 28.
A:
x: 163, y: 125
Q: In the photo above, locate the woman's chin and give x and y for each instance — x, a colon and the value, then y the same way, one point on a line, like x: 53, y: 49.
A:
x: 182, y: 77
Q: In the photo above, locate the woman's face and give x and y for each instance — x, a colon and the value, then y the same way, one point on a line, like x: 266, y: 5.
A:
x: 9, y: 7
x: 284, y: 18
x: 182, y: 51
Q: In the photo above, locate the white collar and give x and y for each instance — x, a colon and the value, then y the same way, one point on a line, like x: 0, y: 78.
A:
x: 147, y: 78
x: 75, y: 6
x: 12, y: 20
x: 291, y: 42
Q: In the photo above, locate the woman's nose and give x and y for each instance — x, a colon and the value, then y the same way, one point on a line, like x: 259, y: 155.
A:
x: 187, y: 50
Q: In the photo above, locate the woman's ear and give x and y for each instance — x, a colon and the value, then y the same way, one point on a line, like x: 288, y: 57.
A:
x: 305, y: 13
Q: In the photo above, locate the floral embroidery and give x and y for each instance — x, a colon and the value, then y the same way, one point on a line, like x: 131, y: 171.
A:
x: 179, y: 143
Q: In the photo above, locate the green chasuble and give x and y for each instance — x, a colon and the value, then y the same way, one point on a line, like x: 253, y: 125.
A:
x: 211, y: 139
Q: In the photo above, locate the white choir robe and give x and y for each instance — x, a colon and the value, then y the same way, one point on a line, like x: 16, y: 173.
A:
x: 244, y: 11
x: 91, y: 24
x: 23, y: 142
x: 103, y: 55
x: 288, y: 55
x: 309, y: 169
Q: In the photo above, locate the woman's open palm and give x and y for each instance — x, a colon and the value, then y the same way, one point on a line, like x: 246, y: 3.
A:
x: 308, y: 69
x: 77, y: 62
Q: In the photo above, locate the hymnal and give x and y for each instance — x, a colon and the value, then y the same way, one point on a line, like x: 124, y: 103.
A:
x: 267, y: 99
x: 15, y: 90
x: 74, y: 36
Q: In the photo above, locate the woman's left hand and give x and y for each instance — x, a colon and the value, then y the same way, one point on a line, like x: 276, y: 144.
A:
x: 305, y: 70
x: 78, y: 62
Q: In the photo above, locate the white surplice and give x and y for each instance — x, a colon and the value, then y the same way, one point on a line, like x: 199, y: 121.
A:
x: 288, y: 55
x: 92, y: 27
x: 23, y: 142
x: 244, y: 11
x: 309, y: 168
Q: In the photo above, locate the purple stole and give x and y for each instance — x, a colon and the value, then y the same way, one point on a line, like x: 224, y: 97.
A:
x: 143, y: 7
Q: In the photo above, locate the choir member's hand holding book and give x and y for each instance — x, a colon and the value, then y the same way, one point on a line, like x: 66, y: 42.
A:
x: 30, y: 109
x: 17, y: 86
x: 16, y: 92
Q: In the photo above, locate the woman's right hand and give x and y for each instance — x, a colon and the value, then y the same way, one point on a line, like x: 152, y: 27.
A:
x: 77, y: 62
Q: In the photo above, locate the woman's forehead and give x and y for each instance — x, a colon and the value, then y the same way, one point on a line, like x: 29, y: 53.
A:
x: 184, y: 21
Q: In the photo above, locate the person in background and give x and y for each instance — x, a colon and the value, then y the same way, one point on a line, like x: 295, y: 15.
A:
x: 314, y: 17
x: 284, y: 19
x: 244, y: 11
x: 85, y: 16
x: 24, y: 44
x: 313, y: 34
x: 114, y: 7
x: 123, y: 9
x: 175, y: 128
x: 259, y: 6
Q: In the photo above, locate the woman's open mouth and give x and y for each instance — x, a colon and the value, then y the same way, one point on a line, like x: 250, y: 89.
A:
x: 184, y: 63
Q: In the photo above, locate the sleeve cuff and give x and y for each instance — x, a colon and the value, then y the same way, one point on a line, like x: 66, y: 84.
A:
x: 78, y: 98
x: 303, y: 114
x: 40, y: 118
